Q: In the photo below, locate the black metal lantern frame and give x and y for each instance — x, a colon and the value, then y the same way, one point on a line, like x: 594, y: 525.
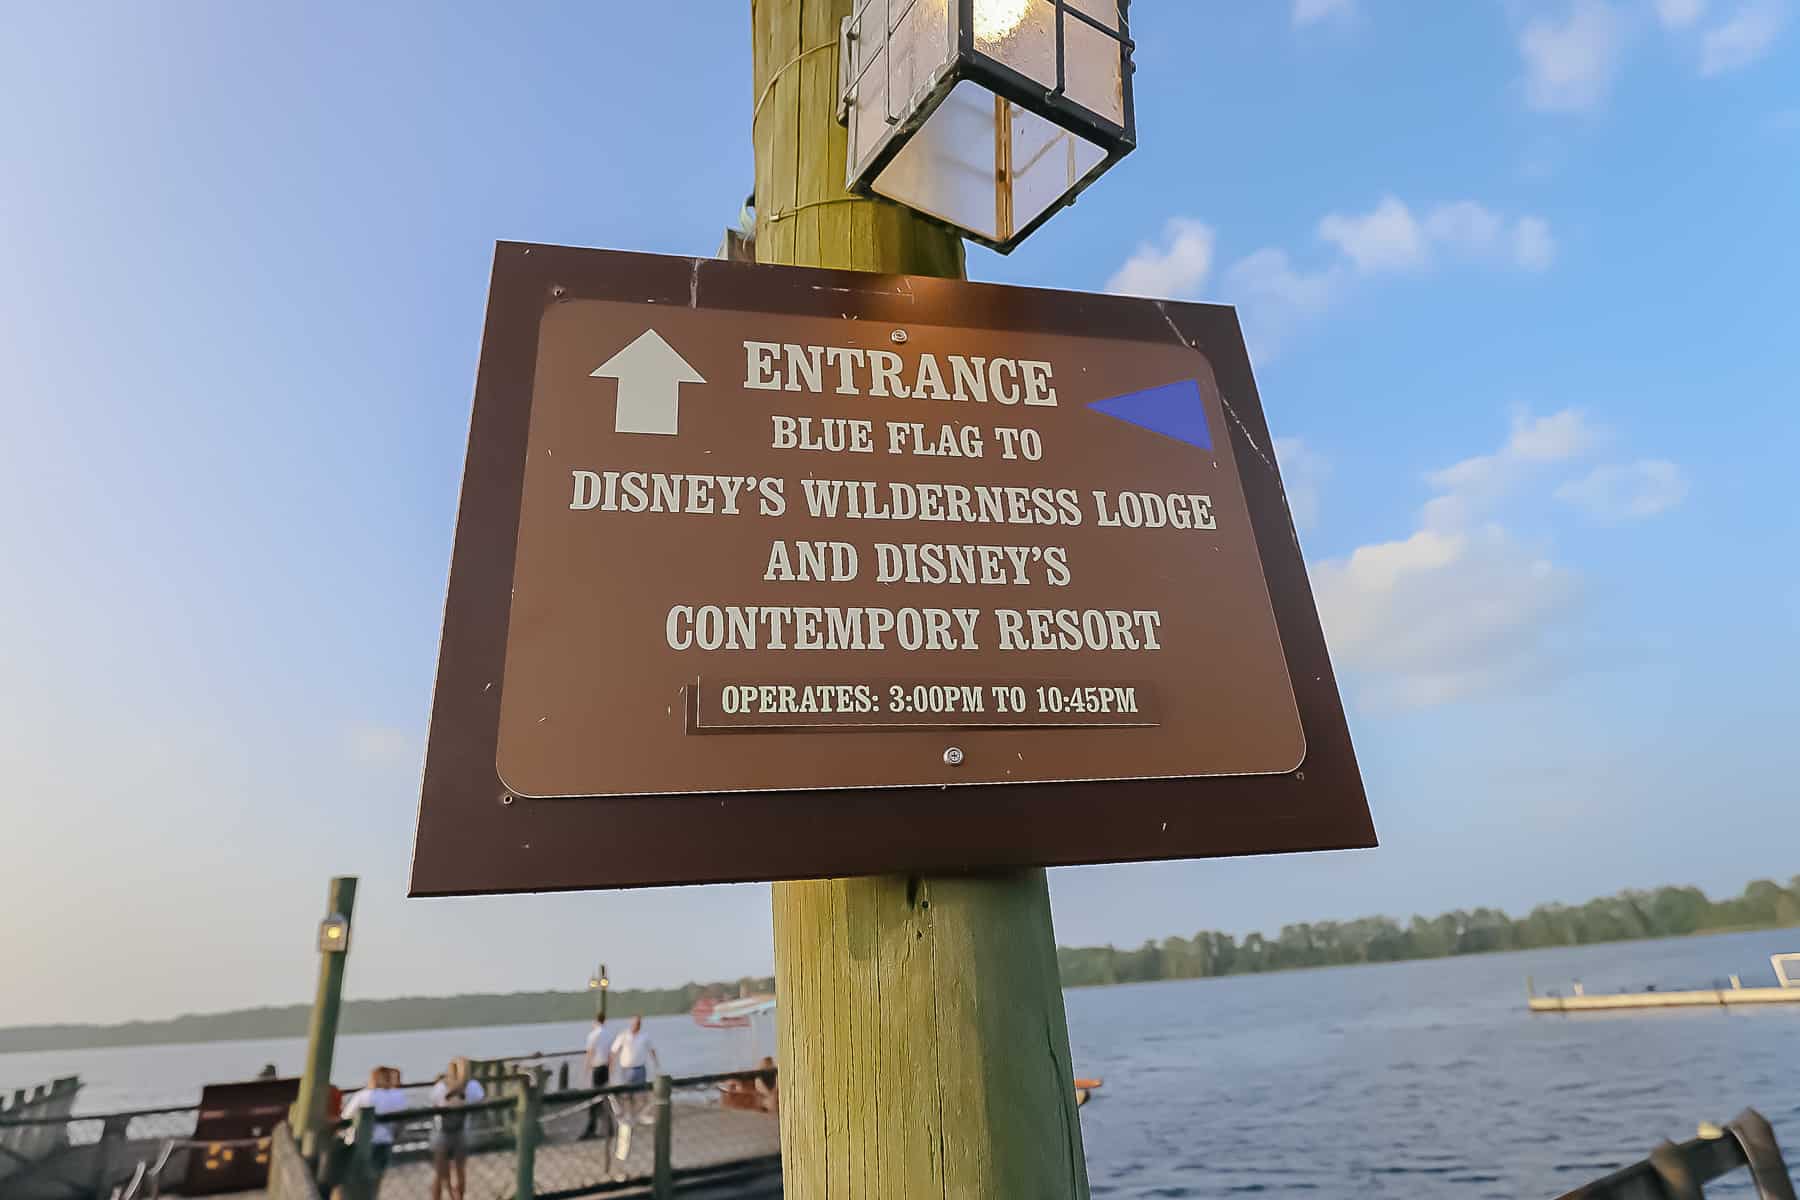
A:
x: 970, y: 63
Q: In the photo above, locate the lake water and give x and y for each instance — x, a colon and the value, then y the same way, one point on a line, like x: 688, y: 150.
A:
x: 1419, y: 1080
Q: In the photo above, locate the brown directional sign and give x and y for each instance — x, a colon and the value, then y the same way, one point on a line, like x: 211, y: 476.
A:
x: 767, y: 572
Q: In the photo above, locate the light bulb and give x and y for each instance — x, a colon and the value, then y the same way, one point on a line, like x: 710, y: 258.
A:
x: 997, y: 19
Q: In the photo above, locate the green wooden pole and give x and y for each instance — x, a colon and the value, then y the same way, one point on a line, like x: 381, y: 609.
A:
x: 924, y: 1049
x: 359, y: 1174
x: 526, y: 1139
x: 308, y: 1116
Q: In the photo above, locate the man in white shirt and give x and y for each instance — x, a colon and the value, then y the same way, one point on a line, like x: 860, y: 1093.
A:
x: 635, y: 1054
x: 599, y: 1051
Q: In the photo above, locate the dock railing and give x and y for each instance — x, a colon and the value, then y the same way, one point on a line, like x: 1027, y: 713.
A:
x: 529, y: 1140
x: 31, y: 1126
x: 533, y: 1143
x: 60, y: 1155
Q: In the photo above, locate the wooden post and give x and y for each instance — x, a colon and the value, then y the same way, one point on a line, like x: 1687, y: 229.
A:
x: 308, y: 1116
x: 924, y: 1049
x: 526, y: 1139
x: 662, y: 1176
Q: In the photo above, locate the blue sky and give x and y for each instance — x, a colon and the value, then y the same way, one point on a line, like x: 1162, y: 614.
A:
x: 1520, y: 283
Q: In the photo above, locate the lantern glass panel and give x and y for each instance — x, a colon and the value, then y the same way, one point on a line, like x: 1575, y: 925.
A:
x: 960, y: 168
x: 893, y: 69
x: 1020, y: 34
x: 947, y: 168
x: 1092, y: 62
x: 1046, y: 163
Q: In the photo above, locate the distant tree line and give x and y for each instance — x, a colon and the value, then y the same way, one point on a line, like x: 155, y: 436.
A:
x: 575, y: 1009
x: 1665, y: 912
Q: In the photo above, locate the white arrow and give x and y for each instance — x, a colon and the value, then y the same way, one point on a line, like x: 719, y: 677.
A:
x: 650, y: 376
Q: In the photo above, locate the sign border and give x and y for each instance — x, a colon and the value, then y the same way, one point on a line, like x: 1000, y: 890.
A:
x: 475, y: 838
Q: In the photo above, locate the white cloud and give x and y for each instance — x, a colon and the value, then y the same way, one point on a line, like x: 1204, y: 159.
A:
x: 1466, y: 226
x: 1308, y: 12
x: 1177, y: 270
x: 1555, y: 438
x: 1627, y: 491
x: 383, y: 745
x: 1303, y: 473
x: 1391, y: 238
x: 1442, y: 615
x: 1743, y: 38
x: 1268, y: 275
x: 1386, y: 239
x: 1275, y: 295
x: 1679, y: 14
x: 1461, y: 605
x: 1570, y: 64
x: 1470, y: 487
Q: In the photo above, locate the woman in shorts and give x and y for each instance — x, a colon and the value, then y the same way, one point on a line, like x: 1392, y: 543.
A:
x: 449, y: 1136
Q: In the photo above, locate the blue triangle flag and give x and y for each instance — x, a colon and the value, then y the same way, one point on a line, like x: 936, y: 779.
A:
x: 1173, y: 410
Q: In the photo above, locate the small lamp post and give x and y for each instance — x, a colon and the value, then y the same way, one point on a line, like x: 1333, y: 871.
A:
x: 598, y: 982
x: 307, y: 1117
x: 985, y: 115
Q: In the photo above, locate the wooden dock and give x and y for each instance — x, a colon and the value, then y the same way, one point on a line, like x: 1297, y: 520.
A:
x: 1786, y: 991
x: 712, y: 1151
x: 1704, y: 999
x: 704, y: 1136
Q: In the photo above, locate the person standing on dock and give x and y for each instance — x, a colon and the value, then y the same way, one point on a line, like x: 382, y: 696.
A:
x: 449, y: 1137
x: 599, y: 1054
x: 635, y: 1052
x: 384, y: 1096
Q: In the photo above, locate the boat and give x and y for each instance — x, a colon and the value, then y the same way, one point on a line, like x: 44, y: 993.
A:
x: 1785, y: 991
x: 731, y: 1014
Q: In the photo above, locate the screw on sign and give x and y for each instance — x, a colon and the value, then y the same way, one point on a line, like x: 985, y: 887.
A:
x: 737, y: 551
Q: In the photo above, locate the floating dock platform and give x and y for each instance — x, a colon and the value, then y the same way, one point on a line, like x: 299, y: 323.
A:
x: 1786, y: 991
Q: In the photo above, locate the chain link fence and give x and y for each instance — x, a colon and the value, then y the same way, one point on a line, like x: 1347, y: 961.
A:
x: 724, y: 1119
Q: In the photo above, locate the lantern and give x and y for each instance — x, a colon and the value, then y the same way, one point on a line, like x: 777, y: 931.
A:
x: 334, y: 934
x: 984, y: 115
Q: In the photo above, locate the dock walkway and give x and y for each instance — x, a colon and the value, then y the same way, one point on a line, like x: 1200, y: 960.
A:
x: 703, y: 1135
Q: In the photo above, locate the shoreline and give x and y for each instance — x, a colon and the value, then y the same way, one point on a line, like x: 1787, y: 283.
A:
x: 100, y: 1041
